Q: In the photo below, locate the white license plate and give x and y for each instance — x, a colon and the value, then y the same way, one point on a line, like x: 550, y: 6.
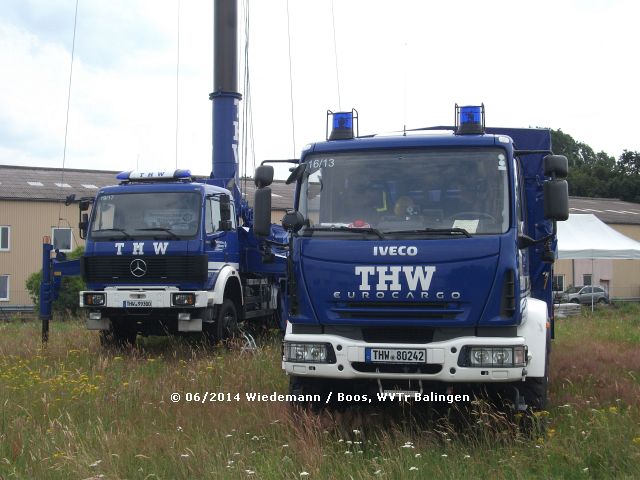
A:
x: 137, y: 303
x: 395, y: 355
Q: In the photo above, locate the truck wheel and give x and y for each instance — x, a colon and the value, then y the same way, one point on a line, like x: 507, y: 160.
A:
x: 227, y: 321
x: 118, y: 337
x: 299, y: 386
x: 534, y: 389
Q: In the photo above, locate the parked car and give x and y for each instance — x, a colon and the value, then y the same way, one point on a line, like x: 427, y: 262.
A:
x: 584, y: 294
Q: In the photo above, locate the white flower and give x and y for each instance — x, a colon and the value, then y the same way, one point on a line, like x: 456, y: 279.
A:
x: 444, y: 455
x: 304, y: 474
x: 96, y: 463
x: 377, y: 472
x: 418, y: 455
x: 413, y: 469
x: 467, y: 456
x: 179, y: 428
x: 356, y: 432
x: 184, y: 455
x: 250, y: 472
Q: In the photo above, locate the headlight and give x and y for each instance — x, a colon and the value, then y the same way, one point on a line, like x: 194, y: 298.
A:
x: 308, y: 353
x: 94, y: 299
x: 508, y: 357
x: 184, y: 299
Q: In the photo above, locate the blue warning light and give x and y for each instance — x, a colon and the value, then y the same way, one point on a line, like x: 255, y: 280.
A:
x: 470, y: 120
x: 342, y: 124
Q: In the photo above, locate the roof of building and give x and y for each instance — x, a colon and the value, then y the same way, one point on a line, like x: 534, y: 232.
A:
x: 55, y: 184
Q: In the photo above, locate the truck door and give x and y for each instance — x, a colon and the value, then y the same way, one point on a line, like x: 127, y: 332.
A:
x: 221, y: 244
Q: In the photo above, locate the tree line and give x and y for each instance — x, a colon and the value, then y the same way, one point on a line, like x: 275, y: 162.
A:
x: 598, y: 174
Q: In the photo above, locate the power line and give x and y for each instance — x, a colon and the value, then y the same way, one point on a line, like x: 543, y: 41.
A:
x: 293, y: 123
x: 66, y: 125
x: 178, y: 85
x: 335, y: 54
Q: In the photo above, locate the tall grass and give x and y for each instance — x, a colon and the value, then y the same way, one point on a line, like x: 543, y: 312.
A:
x: 73, y: 410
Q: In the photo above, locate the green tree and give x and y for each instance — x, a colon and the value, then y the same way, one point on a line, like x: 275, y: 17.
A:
x: 67, y: 302
x: 629, y: 163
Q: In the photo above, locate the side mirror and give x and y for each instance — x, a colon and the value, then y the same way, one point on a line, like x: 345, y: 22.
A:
x: 84, y: 205
x: 83, y: 225
x: 556, y: 166
x: 556, y: 200
x: 225, y: 224
x: 296, y: 173
x: 292, y: 221
x: 262, y: 212
x: 263, y: 176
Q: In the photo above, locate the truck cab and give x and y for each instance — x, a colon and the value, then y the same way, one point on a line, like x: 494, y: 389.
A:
x: 163, y: 256
x: 423, y: 261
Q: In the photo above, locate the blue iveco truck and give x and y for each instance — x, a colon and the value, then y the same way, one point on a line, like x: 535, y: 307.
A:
x: 422, y: 262
x: 169, y: 253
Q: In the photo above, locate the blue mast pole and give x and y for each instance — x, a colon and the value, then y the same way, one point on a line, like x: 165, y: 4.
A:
x: 225, y: 97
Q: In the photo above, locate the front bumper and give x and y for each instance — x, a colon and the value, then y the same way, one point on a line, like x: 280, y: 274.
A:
x: 125, y: 301
x: 441, y: 361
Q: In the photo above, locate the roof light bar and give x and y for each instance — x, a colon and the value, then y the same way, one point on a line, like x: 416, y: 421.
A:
x: 154, y: 176
x: 470, y: 120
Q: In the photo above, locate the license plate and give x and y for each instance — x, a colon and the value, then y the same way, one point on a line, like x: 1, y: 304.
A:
x: 395, y: 355
x: 137, y: 303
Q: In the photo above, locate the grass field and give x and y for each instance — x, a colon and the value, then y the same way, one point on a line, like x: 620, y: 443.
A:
x: 72, y: 410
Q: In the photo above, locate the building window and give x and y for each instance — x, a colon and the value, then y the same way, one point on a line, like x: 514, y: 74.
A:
x: 61, y: 239
x: 5, y: 236
x: 558, y: 283
x: 586, y: 279
x: 4, y: 288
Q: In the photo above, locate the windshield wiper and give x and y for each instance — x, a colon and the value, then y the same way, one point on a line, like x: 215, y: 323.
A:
x: 434, y: 231
x: 161, y: 229
x: 344, y: 228
x: 120, y: 230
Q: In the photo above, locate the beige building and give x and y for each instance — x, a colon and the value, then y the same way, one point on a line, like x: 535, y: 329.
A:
x: 32, y: 206
x: 621, y: 278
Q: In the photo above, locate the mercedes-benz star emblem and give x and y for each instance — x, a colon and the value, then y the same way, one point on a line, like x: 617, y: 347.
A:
x: 138, y: 267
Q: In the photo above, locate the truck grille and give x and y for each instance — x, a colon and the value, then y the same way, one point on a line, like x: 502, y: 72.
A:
x: 401, y: 310
x: 160, y: 269
x: 426, y: 368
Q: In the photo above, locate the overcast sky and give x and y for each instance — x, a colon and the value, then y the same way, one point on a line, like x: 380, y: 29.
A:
x: 560, y: 64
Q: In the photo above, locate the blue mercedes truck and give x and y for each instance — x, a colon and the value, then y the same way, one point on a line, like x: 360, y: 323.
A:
x: 167, y: 253
x: 422, y: 262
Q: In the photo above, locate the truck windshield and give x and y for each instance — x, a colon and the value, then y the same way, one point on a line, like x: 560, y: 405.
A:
x: 146, y: 215
x: 423, y: 192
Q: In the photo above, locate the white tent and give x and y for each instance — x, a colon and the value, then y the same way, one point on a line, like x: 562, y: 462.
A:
x: 586, y: 237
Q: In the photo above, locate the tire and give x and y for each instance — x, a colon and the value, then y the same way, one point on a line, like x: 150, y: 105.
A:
x: 308, y: 386
x: 535, y: 389
x: 574, y: 300
x: 118, y: 336
x: 227, y: 321
x: 602, y: 301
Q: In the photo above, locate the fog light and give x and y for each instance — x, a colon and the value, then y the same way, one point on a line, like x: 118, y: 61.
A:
x: 95, y: 315
x: 94, y: 299
x: 510, y: 357
x: 184, y: 316
x: 307, y: 352
x: 184, y: 299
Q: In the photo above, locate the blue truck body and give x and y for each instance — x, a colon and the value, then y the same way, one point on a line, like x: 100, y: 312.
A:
x: 422, y: 291
x: 161, y: 257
